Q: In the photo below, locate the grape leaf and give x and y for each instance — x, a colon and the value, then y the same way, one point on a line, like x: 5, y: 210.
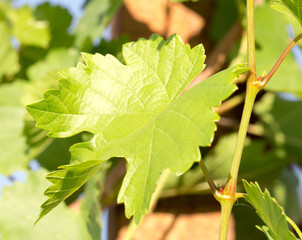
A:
x: 135, y: 111
x: 12, y: 141
x: 19, y: 208
x: 292, y: 8
x: 269, y: 210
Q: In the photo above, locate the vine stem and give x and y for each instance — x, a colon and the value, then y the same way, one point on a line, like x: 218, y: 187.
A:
x: 226, y: 209
x: 228, y: 197
x: 251, y: 36
x: 247, y: 111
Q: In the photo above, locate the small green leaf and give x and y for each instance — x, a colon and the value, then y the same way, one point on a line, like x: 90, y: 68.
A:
x: 65, y: 182
x: 135, y: 111
x: 270, y: 212
x: 292, y: 8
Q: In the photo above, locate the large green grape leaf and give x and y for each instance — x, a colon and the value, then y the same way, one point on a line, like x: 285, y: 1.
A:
x: 8, y: 56
x: 136, y: 112
x: 291, y: 7
x: 12, y: 141
x: 19, y: 208
x: 270, y: 212
x: 271, y: 40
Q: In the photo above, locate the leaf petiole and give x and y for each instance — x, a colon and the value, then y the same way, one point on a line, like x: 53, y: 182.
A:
x: 208, y: 177
x: 264, y: 80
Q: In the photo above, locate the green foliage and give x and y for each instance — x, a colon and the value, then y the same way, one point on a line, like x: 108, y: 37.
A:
x: 282, y: 124
x: 184, y: 0
x: 225, y: 16
x: 246, y: 218
x: 19, y: 208
x: 97, y: 15
x: 58, y: 28
x: 27, y: 29
x: 285, y: 191
x: 270, y: 212
x: 12, y: 141
x: 133, y: 106
x: 291, y: 7
x: 8, y: 56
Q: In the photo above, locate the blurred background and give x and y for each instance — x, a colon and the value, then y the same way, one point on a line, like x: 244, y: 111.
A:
x: 38, y: 38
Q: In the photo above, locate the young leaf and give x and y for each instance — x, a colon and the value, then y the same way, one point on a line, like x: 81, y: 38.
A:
x: 291, y: 7
x: 135, y: 111
x: 270, y: 212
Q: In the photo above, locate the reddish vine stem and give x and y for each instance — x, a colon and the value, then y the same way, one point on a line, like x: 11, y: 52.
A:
x: 264, y: 80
